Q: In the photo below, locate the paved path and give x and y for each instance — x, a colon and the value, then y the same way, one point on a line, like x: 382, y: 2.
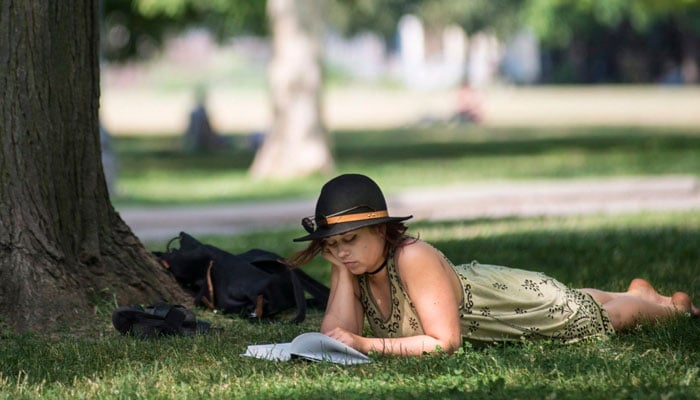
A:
x: 499, y: 199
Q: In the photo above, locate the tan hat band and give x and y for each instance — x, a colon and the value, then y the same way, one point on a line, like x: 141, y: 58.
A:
x: 356, y: 217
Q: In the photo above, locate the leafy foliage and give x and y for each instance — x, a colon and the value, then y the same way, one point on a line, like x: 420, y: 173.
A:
x: 138, y: 27
x: 380, y: 16
x: 502, y: 17
x: 558, y: 21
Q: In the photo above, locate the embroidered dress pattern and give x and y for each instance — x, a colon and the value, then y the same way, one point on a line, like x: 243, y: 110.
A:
x: 402, y: 319
x: 525, y: 304
x: 499, y: 304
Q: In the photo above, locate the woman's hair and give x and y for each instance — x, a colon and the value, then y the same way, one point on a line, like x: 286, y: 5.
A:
x: 395, y: 236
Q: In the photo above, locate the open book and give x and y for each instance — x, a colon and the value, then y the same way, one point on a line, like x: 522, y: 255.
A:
x: 313, y: 346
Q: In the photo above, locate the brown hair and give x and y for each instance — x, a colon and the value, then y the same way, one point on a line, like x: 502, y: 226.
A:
x: 395, y: 236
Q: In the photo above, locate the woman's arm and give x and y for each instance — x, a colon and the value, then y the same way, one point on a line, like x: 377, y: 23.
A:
x: 434, y: 291
x: 344, y: 309
x: 405, y: 346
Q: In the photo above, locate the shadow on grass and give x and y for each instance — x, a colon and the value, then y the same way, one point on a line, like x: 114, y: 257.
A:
x: 359, y: 147
x: 136, y: 153
x: 370, y: 147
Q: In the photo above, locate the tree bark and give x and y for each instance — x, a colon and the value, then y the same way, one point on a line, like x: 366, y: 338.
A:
x: 297, y: 144
x: 62, y: 244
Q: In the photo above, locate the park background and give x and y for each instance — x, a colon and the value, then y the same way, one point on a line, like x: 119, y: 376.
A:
x: 610, y: 68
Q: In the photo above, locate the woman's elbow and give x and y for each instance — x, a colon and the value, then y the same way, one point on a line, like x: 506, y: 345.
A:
x: 452, y: 346
x: 452, y: 341
x: 449, y: 346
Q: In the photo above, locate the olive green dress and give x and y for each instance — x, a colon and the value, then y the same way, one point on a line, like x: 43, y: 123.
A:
x: 499, y: 304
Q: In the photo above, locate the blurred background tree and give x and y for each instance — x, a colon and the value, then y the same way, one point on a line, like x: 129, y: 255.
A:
x: 295, y: 74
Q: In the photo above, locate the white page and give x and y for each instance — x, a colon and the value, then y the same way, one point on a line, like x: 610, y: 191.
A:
x: 317, y: 346
x: 311, y: 346
x: 273, y: 351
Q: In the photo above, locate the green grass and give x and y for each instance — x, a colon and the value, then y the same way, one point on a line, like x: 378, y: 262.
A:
x: 155, y: 170
x: 661, y: 361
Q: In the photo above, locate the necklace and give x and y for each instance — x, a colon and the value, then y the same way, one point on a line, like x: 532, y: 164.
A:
x: 378, y: 270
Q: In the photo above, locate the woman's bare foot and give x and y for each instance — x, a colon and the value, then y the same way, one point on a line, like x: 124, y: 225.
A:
x: 679, y: 301
x: 642, y: 288
x: 683, y: 303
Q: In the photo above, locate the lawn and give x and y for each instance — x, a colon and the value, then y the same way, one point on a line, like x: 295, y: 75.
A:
x: 654, y: 361
x: 155, y: 170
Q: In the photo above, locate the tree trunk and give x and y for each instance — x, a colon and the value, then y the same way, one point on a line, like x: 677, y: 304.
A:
x: 297, y: 144
x: 62, y: 245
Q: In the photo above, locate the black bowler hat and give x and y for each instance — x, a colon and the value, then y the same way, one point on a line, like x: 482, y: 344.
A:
x: 347, y: 202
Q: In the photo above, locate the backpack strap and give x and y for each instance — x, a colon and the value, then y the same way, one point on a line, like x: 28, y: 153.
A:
x: 299, y: 297
x: 318, y: 290
x: 209, y: 299
x: 169, y: 247
x: 263, y: 256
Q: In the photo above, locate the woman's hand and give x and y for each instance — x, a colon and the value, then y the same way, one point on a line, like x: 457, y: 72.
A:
x: 328, y: 256
x: 346, y: 337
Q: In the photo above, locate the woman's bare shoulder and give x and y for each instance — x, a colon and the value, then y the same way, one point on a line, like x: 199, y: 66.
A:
x: 417, y: 252
x: 423, y: 269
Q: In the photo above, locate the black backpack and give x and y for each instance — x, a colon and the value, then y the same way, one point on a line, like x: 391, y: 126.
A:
x: 257, y: 284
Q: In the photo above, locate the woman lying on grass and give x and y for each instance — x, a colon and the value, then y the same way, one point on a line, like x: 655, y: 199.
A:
x: 415, y: 300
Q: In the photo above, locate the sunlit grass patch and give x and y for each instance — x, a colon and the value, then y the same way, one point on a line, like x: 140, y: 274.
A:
x: 156, y: 169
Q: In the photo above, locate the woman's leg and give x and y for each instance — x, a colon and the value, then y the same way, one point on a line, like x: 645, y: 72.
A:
x: 641, y: 302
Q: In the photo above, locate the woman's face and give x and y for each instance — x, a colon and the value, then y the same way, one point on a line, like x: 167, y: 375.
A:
x: 360, y: 251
